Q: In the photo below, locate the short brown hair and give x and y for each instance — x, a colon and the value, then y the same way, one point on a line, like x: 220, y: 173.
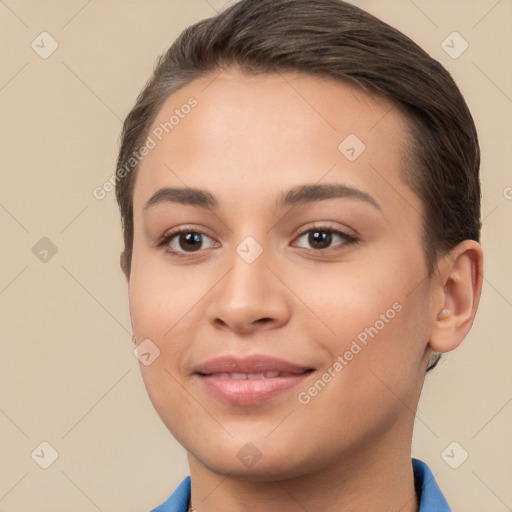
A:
x: 331, y: 38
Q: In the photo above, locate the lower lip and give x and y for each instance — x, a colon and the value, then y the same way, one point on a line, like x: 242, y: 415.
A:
x: 250, y: 391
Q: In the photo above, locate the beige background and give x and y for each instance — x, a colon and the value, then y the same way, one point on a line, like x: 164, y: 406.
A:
x: 68, y: 375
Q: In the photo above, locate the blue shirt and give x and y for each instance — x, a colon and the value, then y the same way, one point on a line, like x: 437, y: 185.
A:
x: 431, y: 497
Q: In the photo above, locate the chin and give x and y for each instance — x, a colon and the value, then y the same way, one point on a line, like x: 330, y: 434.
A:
x: 257, y: 461
x: 260, y: 472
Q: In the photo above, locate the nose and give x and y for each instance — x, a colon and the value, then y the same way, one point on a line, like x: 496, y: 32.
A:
x: 250, y: 297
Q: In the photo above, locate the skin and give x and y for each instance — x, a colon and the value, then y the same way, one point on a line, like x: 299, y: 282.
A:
x: 249, y: 139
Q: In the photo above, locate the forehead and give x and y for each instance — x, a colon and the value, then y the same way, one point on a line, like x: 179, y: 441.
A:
x: 252, y: 133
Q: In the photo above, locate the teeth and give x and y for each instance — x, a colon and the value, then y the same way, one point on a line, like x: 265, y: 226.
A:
x: 242, y: 376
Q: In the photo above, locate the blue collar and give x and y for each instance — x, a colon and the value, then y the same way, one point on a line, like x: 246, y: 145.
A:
x: 431, y: 497
x: 178, y: 500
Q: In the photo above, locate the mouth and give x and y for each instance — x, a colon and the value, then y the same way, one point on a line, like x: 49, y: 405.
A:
x: 251, y: 380
x: 252, y: 376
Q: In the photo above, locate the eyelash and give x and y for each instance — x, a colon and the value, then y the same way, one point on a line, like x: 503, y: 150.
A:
x: 348, y: 239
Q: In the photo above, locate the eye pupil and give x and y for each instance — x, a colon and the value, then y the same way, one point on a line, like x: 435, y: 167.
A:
x: 193, y: 239
x: 318, y: 242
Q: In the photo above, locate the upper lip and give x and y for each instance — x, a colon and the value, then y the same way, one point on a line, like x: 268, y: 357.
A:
x: 251, y: 364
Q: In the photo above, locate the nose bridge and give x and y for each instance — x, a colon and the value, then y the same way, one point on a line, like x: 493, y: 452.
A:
x: 250, y: 257
x: 248, y: 281
x: 249, y: 292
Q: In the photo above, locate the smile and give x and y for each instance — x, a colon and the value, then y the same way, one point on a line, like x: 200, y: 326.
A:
x: 250, y: 389
x: 251, y: 376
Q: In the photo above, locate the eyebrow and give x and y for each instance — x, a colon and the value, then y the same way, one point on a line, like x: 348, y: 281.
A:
x: 302, y: 194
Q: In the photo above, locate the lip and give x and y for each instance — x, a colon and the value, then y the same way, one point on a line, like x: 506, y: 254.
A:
x: 255, y: 363
x: 254, y: 390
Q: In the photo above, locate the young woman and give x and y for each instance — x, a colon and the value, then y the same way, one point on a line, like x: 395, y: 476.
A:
x: 299, y: 190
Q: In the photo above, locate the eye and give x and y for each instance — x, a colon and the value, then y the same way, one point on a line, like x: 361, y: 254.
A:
x: 187, y: 241
x: 179, y: 243
x: 321, y: 237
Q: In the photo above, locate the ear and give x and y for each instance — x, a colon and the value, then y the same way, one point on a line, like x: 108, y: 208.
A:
x: 123, y: 262
x: 459, y: 283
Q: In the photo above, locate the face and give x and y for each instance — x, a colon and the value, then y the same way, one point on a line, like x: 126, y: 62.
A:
x: 287, y: 299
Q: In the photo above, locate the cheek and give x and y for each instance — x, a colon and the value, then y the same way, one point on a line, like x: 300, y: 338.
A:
x: 161, y: 297
x: 379, y: 324
x: 377, y: 377
x: 356, y: 302
x: 159, y: 308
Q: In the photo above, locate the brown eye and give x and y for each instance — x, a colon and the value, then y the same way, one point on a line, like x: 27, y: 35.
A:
x: 184, y: 241
x: 320, y: 238
x: 189, y: 241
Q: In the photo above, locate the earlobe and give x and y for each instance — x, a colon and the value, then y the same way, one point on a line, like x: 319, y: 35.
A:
x: 461, y: 276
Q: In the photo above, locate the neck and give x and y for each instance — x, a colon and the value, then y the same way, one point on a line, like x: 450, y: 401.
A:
x: 376, y: 476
